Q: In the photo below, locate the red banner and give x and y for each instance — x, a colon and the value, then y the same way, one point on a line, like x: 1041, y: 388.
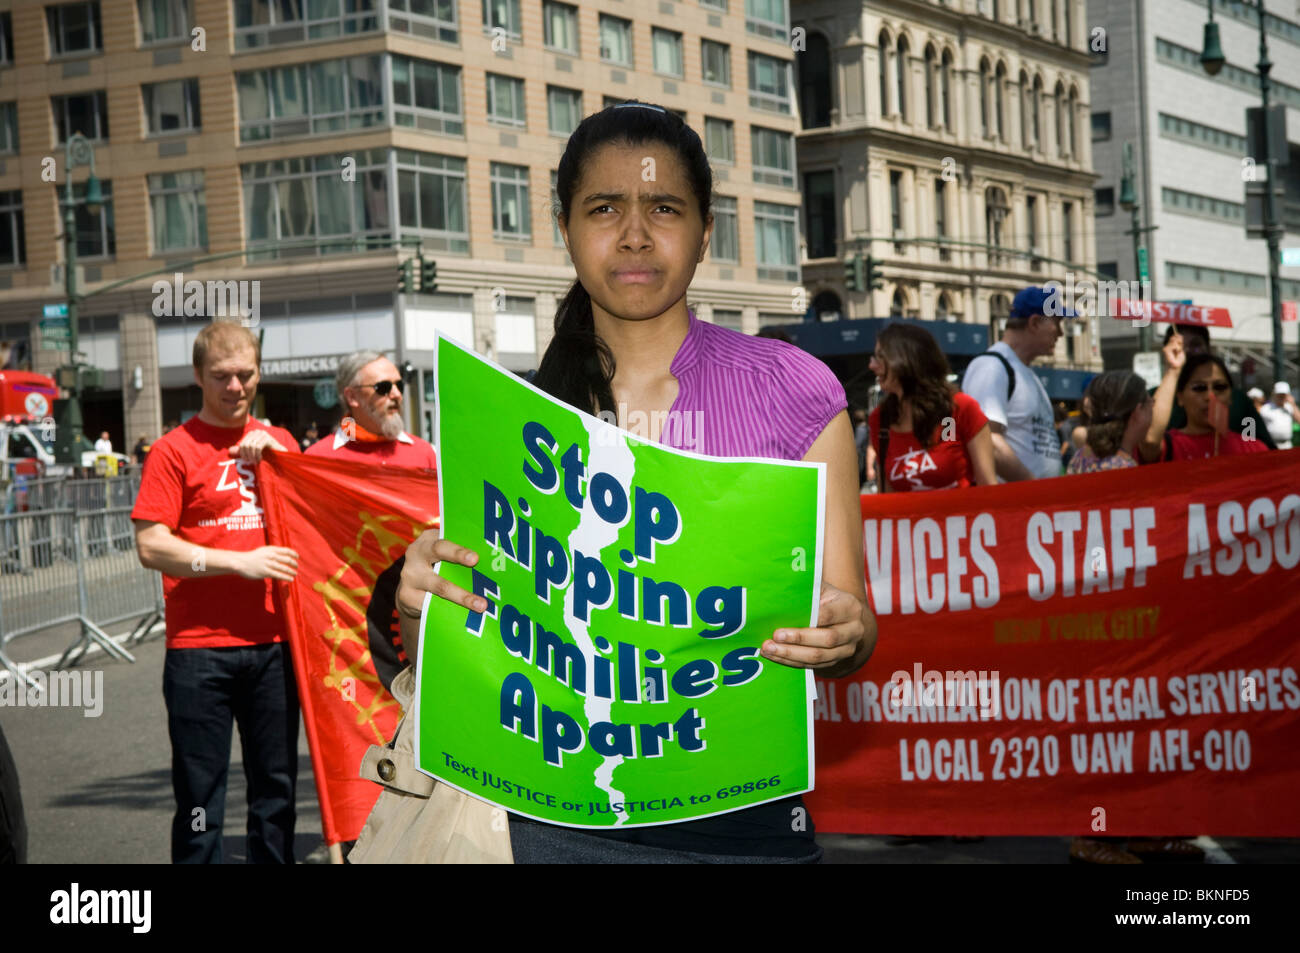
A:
x: 1113, y: 652
x: 1169, y: 312
x: 350, y: 524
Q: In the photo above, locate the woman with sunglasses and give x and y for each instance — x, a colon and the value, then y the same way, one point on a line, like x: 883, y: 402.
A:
x: 1203, y: 391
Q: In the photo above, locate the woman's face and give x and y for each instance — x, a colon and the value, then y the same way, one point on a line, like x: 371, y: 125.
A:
x: 634, y: 232
x: 1195, y: 397
x: 880, y: 367
x: 1140, y: 420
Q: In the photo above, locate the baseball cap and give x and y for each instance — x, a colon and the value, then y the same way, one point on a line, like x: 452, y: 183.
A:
x: 1281, y: 387
x: 1255, y: 394
x: 1035, y: 300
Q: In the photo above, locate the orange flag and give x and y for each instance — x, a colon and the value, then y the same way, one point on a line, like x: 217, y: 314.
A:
x: 350, y: 524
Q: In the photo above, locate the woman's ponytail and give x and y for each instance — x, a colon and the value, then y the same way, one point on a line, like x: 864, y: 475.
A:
x: 578, y: 366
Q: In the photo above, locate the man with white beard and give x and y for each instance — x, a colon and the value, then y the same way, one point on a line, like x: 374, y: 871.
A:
x: 373, y: 426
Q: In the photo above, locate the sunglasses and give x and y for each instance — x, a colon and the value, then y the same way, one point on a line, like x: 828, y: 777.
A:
x: 1219, y: 387
x: 383, y: 387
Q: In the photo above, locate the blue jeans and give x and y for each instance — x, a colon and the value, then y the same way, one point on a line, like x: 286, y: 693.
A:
x: 205, y: 690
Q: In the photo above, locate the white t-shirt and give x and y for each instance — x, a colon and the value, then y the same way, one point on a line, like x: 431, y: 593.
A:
x: 1031, y: 429
x: 103, y: 446
x: 1278, y: 421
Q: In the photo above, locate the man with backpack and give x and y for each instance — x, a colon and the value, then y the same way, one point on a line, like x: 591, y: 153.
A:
x: 1019, y: 412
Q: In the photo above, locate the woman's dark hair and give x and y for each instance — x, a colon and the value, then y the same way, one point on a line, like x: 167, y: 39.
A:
x: 578, y: 366
x: 913, y: 357
x: 1195, y: 363
x: 1112, y: 396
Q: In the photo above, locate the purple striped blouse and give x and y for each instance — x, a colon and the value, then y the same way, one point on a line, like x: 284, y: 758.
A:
x: 743, y: 396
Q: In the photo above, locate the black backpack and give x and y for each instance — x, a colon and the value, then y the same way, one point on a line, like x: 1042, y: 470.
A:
x: 1011, y: 374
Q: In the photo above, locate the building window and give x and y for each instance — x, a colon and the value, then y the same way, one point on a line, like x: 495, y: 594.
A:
x: 13, y: 247
x: 769, y: 83
x: 502, y: 15
x: 1036, y: 112
x: 74, y: 28
x: 766, y: 18
x: 8, y: 127
x: 325, y: 96
x: 1025, y: 139
x: 1071, y: 122
x: 510, y: 217
x: 615, y: 40
x: 901, y: 77
x: 897, y: 304
x: 772, y: 156
x: 6, y: 39
x: 427, y: 19
x: 942, y: 308
x: 86, y: 113
x: 882, y: 57
x: 995, y: 213
x: 96, y: 236
x: 815, y: 83
x: 667, y: 47
x: 1060, y: 121
x: 1031, y: 232
x: 426, y: 95
x: 896, y: 206
x: 163, y: 20
x: 725, y: 243
x: 984, y: 98
x: 719, y: 140
x: 172, y: 107
x: 1105, y: 200
x: 819, y: 201
x: 179, y: 211
x: 301, y: 207
x: 505, y: 100
x: 1100, y: 126
x: 260, y: 23
x: 930, y: 67
x: 999, y: 100
x: 941, y: 218
x: 564, y: 109
x: 1067, y: 231
x: 560, y: 27
x: 1205, y: 206
x: 715, y: 63
x: 1174, y: 128
x: 775, y: 228
x: 432, y: 204
x: 945, y: 90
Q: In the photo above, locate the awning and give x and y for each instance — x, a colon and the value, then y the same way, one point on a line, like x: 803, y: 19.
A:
x: 835, y: 338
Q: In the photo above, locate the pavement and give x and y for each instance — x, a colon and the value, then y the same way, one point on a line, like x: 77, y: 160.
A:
x: 98, y: 790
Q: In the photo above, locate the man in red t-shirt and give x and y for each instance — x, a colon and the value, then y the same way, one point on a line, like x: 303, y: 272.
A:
x: 199, y: 521
x: 372, y: 429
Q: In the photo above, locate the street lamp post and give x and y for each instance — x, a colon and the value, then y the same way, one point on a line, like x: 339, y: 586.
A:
x: 1129, y: 203
x: 1212, y: 59
x: 71, y: 439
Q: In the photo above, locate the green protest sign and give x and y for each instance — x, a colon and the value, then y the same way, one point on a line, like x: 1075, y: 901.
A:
x: 615, y: 678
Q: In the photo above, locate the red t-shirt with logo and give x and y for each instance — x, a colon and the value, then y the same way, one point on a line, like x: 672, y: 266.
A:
x: 207, y: 497
x: 945, y: 464
x: 1201, y: 446
x: 365, y: 447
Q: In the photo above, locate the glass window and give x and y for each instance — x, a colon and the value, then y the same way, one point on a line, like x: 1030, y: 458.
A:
x: 429, y: 19
x: 260, y: 23
x: 725, y: 243
x: 510, y: 214
x: 86, y: 113
x: 13, y: 248
x: 774, y: 241
x: 773, y: 156
x: 178, y: 211
x: 432, y: 200
x: 6, y: 39
x: 719, y: 139
x: 564, y: 109
x: 426, y: 95
x: 172, y: 107
x: 615, y: 40
x: 74, y: 28
x: 769, y: 83
x: 1067, y: 230
x: 715, y: 61
x: 505, y: 100
x: 8, y: 127
x: 667, y: 51
x: 560, y: 25
x: 1105, y: 200
x: 163, y: 20
x: 310, y: 97
x: 1100, y: 126
x: 819, y: 201
x: 96, y: 236
x: 502, y: 14
x: 766, y: 18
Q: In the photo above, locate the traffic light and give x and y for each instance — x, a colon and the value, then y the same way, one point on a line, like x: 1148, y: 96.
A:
x: 873, y: 279
x: 428, y: 275
x: 406, y: 276
x: 853, y: 274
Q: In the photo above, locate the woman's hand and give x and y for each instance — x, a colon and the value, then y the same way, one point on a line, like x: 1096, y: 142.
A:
x: 833, y: 646
x: 419, y: 579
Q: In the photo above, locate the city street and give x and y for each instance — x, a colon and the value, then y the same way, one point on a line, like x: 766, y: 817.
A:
x: 98, y: 790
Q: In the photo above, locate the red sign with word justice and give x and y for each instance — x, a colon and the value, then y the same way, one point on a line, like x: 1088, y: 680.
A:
x: 1110, y: 652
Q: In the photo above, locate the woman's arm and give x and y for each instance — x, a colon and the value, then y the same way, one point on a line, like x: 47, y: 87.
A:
x: 846, y: 632
x: 980, y: 450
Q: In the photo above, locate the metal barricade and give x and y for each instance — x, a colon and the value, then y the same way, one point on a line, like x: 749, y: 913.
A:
x: 56, y: 569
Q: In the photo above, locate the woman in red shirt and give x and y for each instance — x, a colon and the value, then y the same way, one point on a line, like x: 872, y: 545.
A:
x: 1203, y: 391
x: 927, y: 435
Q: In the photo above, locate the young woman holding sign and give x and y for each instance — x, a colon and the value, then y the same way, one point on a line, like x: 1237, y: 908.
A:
x: 634, y: 193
